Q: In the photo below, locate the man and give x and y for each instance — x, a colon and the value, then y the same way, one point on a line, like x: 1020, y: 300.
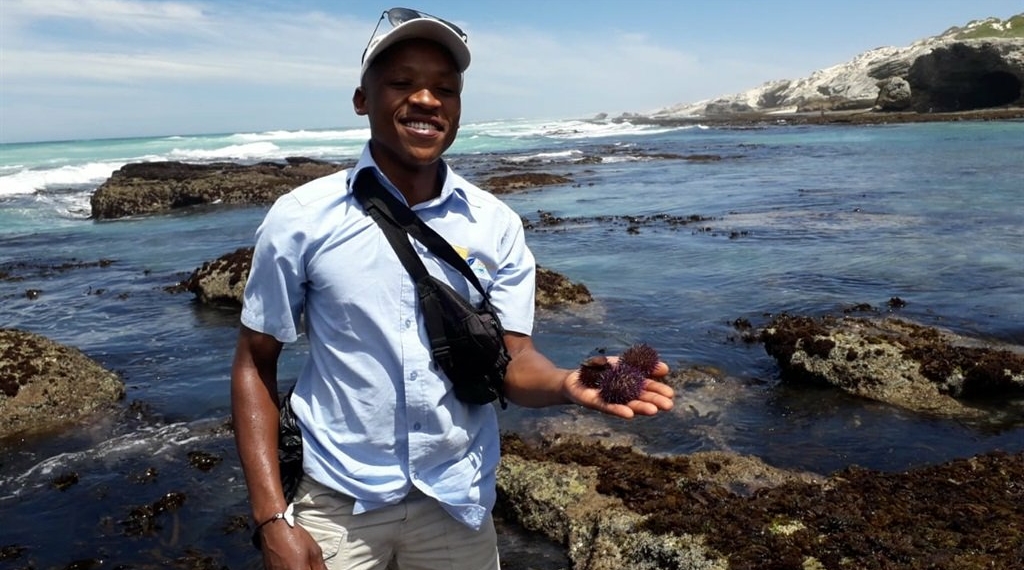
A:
x: 397, y: 470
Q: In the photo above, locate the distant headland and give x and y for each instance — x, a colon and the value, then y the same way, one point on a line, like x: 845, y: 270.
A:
x: 973, y: 72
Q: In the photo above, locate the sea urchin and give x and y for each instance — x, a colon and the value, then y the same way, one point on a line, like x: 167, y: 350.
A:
x: 641, y: 356
x: 622, y: 384
x: 593, y: 370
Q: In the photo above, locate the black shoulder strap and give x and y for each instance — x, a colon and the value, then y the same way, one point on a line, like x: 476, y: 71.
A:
x: 389, y: 211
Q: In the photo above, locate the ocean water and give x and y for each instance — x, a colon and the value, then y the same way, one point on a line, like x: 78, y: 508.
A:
x: 799, y: 219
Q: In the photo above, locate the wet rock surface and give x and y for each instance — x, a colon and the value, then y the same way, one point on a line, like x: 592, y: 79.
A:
x: 221, y: 282
x: 548, y: 223
x: 159, y: 187
x: 613, y: 507
x: 16, y: 271
x: 601, y: 505
x: 569, y: 502
x: 154, y: 187
x: 554, y: 289
x: 896, y: 361
x: 835, y: 117
x: 45, y: 385
x: 503, y: 184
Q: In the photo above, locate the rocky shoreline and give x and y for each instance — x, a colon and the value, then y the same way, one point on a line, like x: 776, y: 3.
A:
x: 159, y: 187
x: 606, y: 506
x: 601, y: 505
x: 614, y: 508
x: 867, y: 116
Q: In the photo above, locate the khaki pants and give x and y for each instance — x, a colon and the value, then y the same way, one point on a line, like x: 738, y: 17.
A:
x: 415, y: 534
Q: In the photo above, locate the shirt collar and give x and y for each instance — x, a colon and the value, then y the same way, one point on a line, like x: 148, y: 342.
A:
x: 450, y: 189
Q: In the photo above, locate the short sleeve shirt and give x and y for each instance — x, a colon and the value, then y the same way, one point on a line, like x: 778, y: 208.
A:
x: 377, y: 416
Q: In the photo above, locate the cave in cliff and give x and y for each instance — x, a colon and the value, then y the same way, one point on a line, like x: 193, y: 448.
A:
x: 962, y: 78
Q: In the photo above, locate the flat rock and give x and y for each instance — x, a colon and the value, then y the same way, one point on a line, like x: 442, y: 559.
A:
x: 155, y: 187
x: 896, y: 361
x: 505, y: 183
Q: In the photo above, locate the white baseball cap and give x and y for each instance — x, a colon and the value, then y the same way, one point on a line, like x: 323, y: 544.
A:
x: 412, y: 24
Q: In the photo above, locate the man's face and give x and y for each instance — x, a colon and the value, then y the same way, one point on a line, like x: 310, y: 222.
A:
x: 411, y: 95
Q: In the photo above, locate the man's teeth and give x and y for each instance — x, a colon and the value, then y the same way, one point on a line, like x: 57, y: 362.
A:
x: 421, y: 126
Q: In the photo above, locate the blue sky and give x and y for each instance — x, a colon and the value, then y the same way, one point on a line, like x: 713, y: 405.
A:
x: 72, y: 69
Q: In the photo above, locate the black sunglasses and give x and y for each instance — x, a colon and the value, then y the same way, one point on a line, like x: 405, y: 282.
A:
x: 399, y: 16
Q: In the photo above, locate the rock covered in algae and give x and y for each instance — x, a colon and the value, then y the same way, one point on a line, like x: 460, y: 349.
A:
x: 45, y: 386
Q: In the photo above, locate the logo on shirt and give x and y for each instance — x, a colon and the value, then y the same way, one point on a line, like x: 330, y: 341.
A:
x: 476, y: 265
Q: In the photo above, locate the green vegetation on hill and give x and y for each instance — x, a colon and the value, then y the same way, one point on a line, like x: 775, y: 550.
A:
x: 1012, y: 27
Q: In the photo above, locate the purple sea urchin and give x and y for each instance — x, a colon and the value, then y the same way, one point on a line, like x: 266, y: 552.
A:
x: 622, y: 384
x: 641, y: 356
x: 592, y: 370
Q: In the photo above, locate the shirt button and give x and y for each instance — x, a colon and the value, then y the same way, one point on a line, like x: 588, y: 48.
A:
x: 414, y: 375
x: 416, y: 426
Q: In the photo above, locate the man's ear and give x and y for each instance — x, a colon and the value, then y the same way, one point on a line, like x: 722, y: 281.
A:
x: 359, y: 101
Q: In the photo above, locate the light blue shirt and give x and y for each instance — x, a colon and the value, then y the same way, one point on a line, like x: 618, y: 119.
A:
x: 377, y: 416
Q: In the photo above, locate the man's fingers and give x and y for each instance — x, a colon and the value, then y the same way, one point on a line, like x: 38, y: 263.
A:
x: 653, y: 387
x: 660, y: 370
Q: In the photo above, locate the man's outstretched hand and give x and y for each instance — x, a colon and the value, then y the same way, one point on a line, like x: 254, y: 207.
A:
x: 654, y: 397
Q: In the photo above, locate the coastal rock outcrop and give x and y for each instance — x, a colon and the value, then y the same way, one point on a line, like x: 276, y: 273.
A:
x: 505, y: 183
x: 154, y: 187
x: 613, y: 507
x: 556, y: 289
x: 969, y: 74
x: 221, y: 282
x: 977, y: 66
x: 893, y: 94
x: 45, y: 385
x: 895, y: 361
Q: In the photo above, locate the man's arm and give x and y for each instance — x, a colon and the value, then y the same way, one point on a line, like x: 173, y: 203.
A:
x: 254, y: 411
x: 534, y: 381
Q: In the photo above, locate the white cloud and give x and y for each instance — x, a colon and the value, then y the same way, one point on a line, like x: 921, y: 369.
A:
x: 125, y: 42
x: 110, y: 14
x: 164, y: 67
x: 295, y: 68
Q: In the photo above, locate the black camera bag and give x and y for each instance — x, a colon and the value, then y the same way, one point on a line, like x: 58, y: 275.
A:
x: 467, y: 342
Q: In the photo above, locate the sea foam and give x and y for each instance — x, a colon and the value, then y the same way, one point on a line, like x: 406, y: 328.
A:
x: 31, y: 180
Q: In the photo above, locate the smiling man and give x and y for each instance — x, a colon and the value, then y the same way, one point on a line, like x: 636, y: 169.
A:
x: 398, y: 471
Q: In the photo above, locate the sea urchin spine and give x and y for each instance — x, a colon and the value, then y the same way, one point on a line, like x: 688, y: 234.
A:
x: 641, y: 356
x: 622, y: 384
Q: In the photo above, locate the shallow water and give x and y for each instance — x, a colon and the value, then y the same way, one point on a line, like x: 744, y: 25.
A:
x: 804, y: 220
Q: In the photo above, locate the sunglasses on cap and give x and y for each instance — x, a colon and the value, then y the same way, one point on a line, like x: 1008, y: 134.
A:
x: 399, y: 16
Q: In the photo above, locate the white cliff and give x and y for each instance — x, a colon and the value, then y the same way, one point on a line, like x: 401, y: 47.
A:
x: 855, y: 84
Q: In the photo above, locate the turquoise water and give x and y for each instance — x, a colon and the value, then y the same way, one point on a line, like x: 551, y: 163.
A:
x: 799, y: 219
